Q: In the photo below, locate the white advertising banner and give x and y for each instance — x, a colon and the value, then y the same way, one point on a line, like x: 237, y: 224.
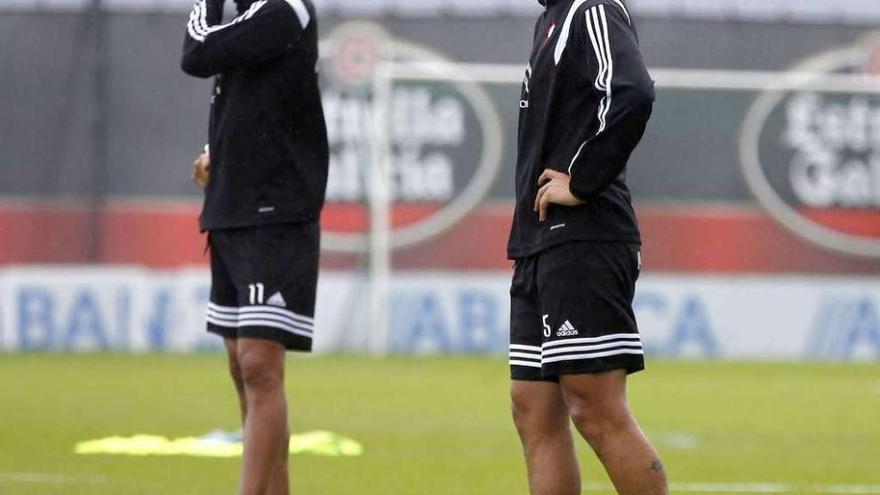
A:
x: 706, y: 317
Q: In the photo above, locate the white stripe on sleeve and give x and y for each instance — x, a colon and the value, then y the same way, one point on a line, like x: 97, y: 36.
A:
x: 198, y: 27
x: 301, y: 12
x: 610, y: 71
x: 597, y: 41
x: 625, y: 12
x: 566, y: 31
x: 193, y: 26
x: 597, y: 27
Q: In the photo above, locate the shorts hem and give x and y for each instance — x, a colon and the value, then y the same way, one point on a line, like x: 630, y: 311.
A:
x: 225, y: 332
x: 632, y: 364
x: 535, y: 376
x: 291, y: 342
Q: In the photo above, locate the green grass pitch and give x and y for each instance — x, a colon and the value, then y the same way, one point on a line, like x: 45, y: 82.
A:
x: 429, y: 425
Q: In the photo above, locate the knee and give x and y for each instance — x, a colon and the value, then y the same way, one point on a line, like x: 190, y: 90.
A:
x: 535, y: 418
x: 257, y: 374
x: 522, y: 411
x: 597, y: 419
x: 235, y: 371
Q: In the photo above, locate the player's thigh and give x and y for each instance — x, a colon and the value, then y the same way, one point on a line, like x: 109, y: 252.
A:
x: 596, y: 398
x: 261, y: 360
x: 231, y: 346
x: 604, y: 387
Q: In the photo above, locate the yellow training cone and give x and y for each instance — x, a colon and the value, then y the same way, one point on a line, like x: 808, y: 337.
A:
x: 323, y: 443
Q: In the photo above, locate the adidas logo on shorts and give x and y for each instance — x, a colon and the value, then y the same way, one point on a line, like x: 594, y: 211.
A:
x: 566, y: 330
x: 277, y: 300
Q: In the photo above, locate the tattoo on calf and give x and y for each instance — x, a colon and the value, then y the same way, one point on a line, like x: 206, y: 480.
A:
x: 656, y: 465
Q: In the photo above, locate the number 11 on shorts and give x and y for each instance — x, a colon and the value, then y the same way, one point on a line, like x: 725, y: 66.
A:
x: 255, y: 293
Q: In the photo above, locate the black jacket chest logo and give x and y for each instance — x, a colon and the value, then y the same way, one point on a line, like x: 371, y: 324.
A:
x: 540, y: 46
x: 524, y: 101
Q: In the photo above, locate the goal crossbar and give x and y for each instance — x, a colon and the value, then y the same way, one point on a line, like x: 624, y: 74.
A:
x: 666, y: 78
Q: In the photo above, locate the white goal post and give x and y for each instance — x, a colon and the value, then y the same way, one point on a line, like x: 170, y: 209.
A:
x: 387, y: 73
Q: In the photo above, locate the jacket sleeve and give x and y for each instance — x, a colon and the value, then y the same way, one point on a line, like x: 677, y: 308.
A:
x: 266, y: 30
x: 611, y: 62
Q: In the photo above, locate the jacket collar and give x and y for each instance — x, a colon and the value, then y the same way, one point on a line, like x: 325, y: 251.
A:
x: 243, y: 5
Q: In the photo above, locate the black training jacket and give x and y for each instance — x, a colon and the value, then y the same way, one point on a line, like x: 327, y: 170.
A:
x: 586, y: 100
x: 267, y: 135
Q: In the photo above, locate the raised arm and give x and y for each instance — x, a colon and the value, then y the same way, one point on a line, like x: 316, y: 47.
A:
x: 614, y: 67
x: 266, y: 30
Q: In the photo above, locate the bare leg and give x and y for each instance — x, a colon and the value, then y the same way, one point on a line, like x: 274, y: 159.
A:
x: 265, y: 425
x: 541, y: 418
x: 279, y: 484
x: 235, y: 372
x: 601, y: 414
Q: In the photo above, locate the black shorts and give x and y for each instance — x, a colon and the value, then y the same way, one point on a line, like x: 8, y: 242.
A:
x: 263, y: 283
x: 571, y: 311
